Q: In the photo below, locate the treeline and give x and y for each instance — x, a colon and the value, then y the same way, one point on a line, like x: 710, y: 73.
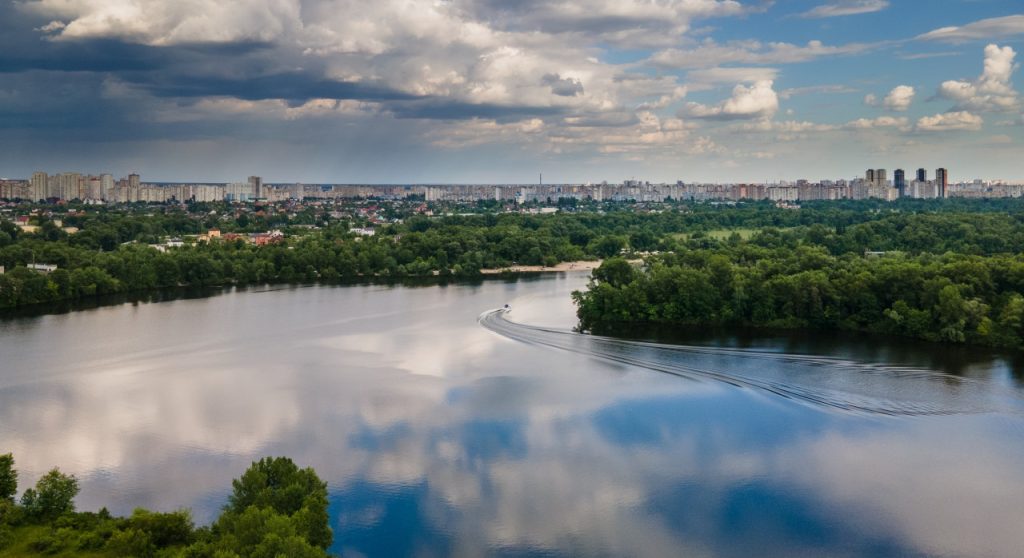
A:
x: 275, y: 509
x: 109, y: 254
x: 328, y: 256
x: 952, y: 298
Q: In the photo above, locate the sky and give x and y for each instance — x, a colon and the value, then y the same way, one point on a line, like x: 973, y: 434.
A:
x: 499, y: 91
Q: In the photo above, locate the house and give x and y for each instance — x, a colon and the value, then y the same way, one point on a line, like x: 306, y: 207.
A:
x: 42, y: 268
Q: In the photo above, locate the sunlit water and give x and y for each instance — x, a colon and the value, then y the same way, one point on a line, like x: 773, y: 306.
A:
x: 445, y: 430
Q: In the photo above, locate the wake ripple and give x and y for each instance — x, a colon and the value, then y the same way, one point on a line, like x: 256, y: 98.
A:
x: 821, y: 381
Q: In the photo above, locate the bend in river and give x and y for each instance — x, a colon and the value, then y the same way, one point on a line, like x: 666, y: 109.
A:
x: 441, y: 437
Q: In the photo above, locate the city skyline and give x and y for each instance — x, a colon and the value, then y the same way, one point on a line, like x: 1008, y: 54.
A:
x: 487, y: 92
x: 70, y: 186
x: 256, y: 181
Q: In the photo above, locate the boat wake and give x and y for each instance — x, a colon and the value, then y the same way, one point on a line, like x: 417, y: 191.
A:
x: 821, y: 381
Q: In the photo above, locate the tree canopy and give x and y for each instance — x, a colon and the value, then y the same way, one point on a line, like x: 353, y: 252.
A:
x: 276, y: 509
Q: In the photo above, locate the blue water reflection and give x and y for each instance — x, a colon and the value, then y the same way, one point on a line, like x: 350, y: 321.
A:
x: 439, y: 437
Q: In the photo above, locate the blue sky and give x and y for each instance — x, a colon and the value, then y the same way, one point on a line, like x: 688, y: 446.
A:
x: 394, y: 91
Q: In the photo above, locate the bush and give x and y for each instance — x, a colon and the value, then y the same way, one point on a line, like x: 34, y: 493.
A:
x: 165, y: 529
x: 131, y: 542
x: 11, y: 514
x: 6, y: 536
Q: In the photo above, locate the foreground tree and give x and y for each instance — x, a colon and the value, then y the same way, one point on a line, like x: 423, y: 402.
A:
x: 53, y: 496
x: 8, y: 478
x: 276, y: 509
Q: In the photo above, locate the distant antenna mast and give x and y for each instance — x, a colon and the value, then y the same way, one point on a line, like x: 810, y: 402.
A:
x: 541, y: 180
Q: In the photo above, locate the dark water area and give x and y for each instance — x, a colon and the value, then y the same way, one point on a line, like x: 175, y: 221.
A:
x: 168, y: 294
x: 950, y: 358
x: 446, y: 429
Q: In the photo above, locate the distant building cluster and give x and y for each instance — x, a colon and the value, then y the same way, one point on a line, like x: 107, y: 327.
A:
x: 874, y: 184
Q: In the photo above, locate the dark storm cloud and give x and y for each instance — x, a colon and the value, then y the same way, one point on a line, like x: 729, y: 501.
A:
x: 292, y: 87
x: 91, y: 56
x: 563, y: 87
x: 102, y: 90
x: 37, y: 96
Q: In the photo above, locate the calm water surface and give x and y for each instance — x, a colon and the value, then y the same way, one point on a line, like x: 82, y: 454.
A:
x: 445, y: 432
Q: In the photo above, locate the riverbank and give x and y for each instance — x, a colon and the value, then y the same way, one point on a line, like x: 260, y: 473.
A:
x: 168, y: 294
x: 581, y: 265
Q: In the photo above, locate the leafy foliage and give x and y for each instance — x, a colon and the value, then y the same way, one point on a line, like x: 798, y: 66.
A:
x: 949, y: 298
x: 109, y: 254
x: 53, y: 496
x: 8, y: 478
x: 276, y: 510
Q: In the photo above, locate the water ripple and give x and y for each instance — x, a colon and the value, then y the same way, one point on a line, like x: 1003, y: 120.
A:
x: 821, y: 381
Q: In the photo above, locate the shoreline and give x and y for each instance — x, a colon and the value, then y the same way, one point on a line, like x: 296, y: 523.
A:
x: 581, y: 265
x: 189, y: 292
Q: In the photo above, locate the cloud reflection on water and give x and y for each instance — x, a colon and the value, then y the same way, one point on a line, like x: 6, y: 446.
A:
x: 441, y: 438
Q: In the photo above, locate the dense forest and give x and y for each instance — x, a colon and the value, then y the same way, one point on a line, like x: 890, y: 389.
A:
x: 940, y: 278
x: 275, y: 509
x: 945, y: 270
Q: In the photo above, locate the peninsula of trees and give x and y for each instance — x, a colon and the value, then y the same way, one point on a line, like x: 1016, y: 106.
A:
x: 952, y: 278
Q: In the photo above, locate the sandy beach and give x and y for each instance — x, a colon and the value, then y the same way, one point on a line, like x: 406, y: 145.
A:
x: 564, y: 266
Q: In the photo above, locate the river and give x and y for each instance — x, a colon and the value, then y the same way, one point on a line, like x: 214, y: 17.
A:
x: 444, y: 428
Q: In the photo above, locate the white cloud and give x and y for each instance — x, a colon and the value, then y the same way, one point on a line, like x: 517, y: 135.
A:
x: 784, y: 127
x: 709, y: 53
x: 538, y: 68
x: 758, y: 101
x: 455, y: 52
x: 52, y: 27
x: 803, y: 127
x: 159, y: 22
x: 927, y: 55
x: 899, y: 98
x: 815, y: 89
x: 992, y: 28
x: 993, y: 90
x: 633, y: 23
x: 880, y: 122
x: 358, y: 25
x: 871, y: 100
x: 846, y: 8
x: 949, y: 121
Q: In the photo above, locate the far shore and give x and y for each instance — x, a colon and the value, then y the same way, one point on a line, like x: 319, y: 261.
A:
x: 583, y: 265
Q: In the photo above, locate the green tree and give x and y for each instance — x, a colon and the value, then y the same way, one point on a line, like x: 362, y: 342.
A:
x: 8, y: 478
x: 615, y: 271
x: 53, y: 496
x: 607, y: 246
x: 278, y: 485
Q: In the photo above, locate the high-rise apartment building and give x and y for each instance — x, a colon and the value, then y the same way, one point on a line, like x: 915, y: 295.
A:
x: 870, y: 176
x: 880, y: 178
x: 942, y: 182
x: 39, y: 186
x: 68, y: 186
x: 256, y: 185
x: 900, y: 182
x: 93, y: 189
x: 134, y: 188
x: 107, y: 191
x: 922, y: 175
